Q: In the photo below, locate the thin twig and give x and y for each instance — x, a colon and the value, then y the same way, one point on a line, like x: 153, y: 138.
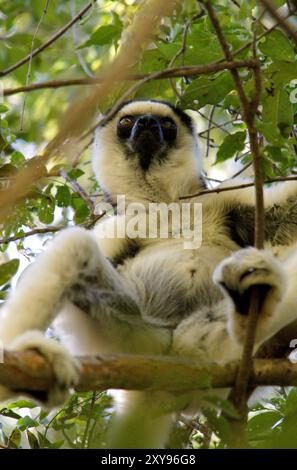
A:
x: 237, y: 186
x: 35, y: 231
x: 94, y: 218
x: 239, y: 172
x: 210, y: 122
x: 81, y: 60
x: 183, y: 48
x: 28, y: 76
x: 216, y: 125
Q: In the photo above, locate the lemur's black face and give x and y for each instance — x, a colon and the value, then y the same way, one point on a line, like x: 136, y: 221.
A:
x: 147, y: 135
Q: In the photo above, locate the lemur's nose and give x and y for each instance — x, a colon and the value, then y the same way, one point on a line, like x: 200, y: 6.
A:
x: 147, y: 123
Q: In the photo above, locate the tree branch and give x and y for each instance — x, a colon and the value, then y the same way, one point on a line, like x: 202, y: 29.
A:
x: 28, y: 371
x: 248, y: 109
x: 173, y: 72
x: 35, y: 231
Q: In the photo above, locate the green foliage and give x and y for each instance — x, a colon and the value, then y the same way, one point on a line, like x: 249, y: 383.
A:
x: 8, y: 270
x: 82, y: 423
x: 277, y: 46
x: 103, y: 35
x: 232, y: 144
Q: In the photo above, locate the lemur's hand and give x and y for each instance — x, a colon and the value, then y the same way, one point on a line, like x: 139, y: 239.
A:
x: 238, y: 274
x: 65, y: 367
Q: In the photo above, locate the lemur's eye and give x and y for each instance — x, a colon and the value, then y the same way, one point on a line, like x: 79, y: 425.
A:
x: 169, y: 129
x: 125, y: 126
x: 168, y: 123
x: 126, y: 121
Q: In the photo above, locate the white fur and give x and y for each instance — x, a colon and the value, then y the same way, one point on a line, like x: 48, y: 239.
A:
x: 154, y: 278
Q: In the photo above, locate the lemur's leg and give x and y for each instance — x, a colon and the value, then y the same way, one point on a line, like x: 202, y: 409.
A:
x: 204, y: 335
x: 72, y: 261
x: 277, y: 280
x: 71, y: 257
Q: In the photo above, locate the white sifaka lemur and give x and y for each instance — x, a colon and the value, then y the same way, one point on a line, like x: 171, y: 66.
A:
x: 148, y: 295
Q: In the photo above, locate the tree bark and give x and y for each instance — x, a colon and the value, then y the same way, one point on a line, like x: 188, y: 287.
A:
x: 28, y: 371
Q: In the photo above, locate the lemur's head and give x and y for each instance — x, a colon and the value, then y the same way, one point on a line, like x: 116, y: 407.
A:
x: 147, y: 151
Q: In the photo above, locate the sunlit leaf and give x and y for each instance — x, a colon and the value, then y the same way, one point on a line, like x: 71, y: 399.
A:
x: 232, y: 144
x: 8, y: 270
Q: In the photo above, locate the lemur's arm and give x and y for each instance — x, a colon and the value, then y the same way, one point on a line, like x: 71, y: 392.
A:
x: 280, y: 201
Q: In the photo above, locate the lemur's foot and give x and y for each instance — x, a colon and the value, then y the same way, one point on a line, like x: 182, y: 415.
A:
x: 238, y: 274
x: 65, y: 367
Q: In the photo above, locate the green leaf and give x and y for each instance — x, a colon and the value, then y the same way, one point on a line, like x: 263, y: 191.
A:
x: 8, y: 270
x: 3, y: 143
x: 81, y: 210
x: 33, y: 441
x: 260, y: 425
x: 232, y: 144
x: 3, y: 295
x: 159, y: 89
x: 17, y: 159
x: 103, y: 35
x: 278, y: 3
x: 56, y: 445
x: 209, y: 48
x: 284, y: 157
x: 75, y: 173
x: 219, y: 424
x: 291, y: 402
x: 15, y: 438
x: 22, y: 404
x: 43, y: 441
x: 3, y: 108
x: 277, y: 46
x: 277, y: 116
x: 9, y: 413
x: 205, y: 90
x: 27, y: 422
x: 63, y: 196
x: 226, y: 406
x: 281, y: 72
x: 46, y: 211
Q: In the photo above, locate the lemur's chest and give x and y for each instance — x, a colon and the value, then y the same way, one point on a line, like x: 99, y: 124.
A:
x: 172, y: 279
x: 184, y: 251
